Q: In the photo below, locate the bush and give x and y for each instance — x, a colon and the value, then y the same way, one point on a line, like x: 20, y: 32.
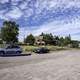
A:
x: 30, y: 48
x: 74, y: 45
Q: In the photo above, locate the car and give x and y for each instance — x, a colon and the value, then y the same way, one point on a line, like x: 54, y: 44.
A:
x: 11, y: 50
x: 41, y: 50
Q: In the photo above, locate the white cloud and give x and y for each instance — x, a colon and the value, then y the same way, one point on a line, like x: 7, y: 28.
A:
x: 23, y: 32
x: 56, y: 28
x: 23, y: 5
x: 28, y: 13
x: 2, y: 16
x: 15, y: 0
x: 14, y: 13
x: 39, y: 6
x: 3, y: 1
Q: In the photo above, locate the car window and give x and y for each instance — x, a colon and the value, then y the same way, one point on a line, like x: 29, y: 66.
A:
x: 15, y: 47
x: 9, y: 47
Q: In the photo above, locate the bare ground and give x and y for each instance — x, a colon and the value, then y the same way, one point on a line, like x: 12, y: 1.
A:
x: 62, y: 65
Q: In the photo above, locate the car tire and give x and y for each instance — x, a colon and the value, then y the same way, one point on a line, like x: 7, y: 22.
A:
x: 1, y: 53
x: 18, y: 52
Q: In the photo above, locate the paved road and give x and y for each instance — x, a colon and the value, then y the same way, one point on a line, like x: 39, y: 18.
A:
x: 63, y: 65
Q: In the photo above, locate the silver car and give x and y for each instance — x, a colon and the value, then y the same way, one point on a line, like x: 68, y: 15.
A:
x: 11, y: 50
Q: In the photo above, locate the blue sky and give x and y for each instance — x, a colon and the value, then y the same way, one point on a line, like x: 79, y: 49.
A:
x: 59, y: 17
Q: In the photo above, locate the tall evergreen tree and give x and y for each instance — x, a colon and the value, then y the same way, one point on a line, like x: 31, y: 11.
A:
x: 48, y: 38
x: 30, y: 39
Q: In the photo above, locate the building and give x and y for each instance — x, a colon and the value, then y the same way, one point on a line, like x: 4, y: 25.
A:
x: 39, y: 40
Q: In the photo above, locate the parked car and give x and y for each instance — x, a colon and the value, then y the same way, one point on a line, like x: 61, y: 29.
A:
x: 41, y: 50
x: 11, y: 50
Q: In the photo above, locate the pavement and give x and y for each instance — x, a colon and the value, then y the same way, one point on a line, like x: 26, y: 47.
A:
x: 58, y: 65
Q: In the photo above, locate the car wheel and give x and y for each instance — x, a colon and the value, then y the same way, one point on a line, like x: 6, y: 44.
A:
x: 18, y: 52
x: 1, y: 53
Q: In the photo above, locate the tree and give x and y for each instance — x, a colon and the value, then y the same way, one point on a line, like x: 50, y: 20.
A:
x: 61, y: 41
x: 67, y: 40
x: 9, y: 32
x: 30, y: 39
x: 42, y: 34
x: 48, y: 38
x: 56, y: 39
x: 74, y: 44
x: 1, y: 41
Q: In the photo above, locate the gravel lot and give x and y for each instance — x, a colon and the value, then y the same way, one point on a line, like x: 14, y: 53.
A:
x: 62, y: 65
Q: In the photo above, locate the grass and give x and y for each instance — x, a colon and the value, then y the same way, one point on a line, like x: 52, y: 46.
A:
x: 28, y: 48
x: 31, y: 48
x: 51, y: 48
x: 55, y: 48
x: 2, y: 45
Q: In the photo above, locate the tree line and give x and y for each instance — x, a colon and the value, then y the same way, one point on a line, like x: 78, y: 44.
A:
x: 10, y: 30
x: 49, y: 39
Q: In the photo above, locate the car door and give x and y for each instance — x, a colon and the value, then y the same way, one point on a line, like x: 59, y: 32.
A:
x: 14, y: 49
x: 9, y: 50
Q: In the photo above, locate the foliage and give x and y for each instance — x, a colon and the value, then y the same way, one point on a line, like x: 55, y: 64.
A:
x: 67, y: 40
x: 61, y: 41
x: 30, y: 39
x: 56, y: 40
x: 9, y: 32
x: 1, y: 42
x: 48, y: 38
x: 74, y: 44
x: 51, y: 48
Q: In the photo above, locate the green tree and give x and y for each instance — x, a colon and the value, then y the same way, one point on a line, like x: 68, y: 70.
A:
x: 74, y: 44
x: 9, y: 32
x: 42, y: 34
x: 30, y: 39
x: 61, y: 41
x: 48, y: 38
x: 67, y: 40
x: 1, y: 41
x: 56, y: 40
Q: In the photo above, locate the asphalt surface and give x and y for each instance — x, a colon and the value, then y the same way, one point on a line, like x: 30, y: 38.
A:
x: 62, y: 65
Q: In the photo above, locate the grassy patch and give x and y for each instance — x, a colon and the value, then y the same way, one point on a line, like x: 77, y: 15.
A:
x: 51, y: 48
x: 55, y: 48
x: 29, y: 48
x: 2, y: 45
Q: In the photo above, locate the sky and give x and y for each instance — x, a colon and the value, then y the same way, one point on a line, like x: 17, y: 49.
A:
x: 59, y: 17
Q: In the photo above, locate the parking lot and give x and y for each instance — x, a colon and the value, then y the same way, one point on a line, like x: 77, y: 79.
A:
x: 58, y: 65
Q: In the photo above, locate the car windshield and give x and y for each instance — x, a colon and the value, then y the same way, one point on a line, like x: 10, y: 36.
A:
x: 15, y: 47
x: 12, y: 47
